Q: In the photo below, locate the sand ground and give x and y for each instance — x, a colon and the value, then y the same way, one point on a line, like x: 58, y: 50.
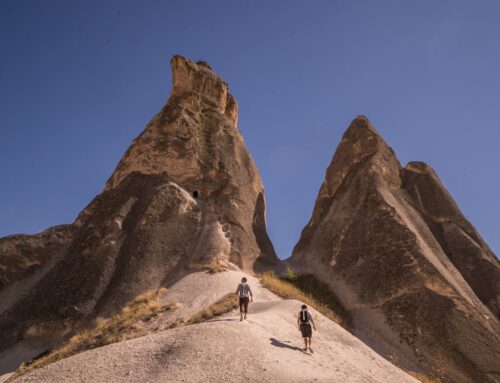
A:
x: 264, y: 348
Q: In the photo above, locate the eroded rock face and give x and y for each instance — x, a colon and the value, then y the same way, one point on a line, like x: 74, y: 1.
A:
x: 195, y: 140
x: 459, y: 240
x: 186, y: 191
x: 23, y: 255
x: 421, y: 284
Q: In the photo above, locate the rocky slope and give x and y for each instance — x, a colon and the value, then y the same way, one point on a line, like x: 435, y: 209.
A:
x: 264, y: 348
x: 186, y: 191
x: 421, y: 284
x: 459, y: 240
x: 23, y: 255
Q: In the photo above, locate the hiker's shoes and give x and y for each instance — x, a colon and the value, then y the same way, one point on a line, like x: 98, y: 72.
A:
x: 310, y: 350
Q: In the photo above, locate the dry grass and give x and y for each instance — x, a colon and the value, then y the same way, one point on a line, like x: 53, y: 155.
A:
x: 309, y: 290
x: 122, y: 326
x: 211, y: 268
x: 424, y: 378
x: 226, y: 304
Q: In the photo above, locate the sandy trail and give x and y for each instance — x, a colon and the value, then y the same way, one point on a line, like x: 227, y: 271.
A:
x: 264, y: 348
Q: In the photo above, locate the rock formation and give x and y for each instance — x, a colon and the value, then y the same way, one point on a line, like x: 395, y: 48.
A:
x: 422, y: 286
x: 186, y: 191
x: 23, y: 255
x: 459, y: 240
x: 195, y: 141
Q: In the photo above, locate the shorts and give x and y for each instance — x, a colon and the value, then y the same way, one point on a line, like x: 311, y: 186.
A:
x: 306, y: 330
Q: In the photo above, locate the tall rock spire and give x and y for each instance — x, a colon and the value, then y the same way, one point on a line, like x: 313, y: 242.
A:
x: 186, y: 191
x: 422, y: 286
x: 194, y: 140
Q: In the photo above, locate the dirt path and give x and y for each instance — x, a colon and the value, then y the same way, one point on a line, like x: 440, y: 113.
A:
x: 264, y: 348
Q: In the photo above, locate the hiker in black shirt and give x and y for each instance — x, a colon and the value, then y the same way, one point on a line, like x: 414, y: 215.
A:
x: 304, y: 321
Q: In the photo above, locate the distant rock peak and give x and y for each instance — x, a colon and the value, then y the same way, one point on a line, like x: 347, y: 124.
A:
x: 360, y: 143
x: 361, y: 122
x: 419, y: 167
x: 188, y: 76
x: 363, y: 137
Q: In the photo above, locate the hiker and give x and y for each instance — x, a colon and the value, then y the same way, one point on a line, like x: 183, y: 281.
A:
x: 245, y: 295
x: 304, y: 321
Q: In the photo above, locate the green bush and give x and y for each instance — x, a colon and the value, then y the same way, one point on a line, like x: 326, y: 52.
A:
x: 290, y: 274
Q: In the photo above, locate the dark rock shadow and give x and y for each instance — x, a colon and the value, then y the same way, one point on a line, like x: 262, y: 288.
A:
x: 224, y: 320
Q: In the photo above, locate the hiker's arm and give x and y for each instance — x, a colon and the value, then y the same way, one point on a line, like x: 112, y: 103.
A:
x: 298, y: 322
x: 312, y: 321
x: 251, y: 295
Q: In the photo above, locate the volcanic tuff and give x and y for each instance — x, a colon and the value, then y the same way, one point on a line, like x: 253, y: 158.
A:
x: 22, y: 255
x: 422, y: 286
x: 186, y: 191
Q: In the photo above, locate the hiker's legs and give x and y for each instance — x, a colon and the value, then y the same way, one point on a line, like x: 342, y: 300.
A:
x: 305, y: 344
x: 242, y: 301
x: 246, y: 306
x: 310, y: 339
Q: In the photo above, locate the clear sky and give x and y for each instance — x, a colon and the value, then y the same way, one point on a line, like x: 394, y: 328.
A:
x: 80, y: 79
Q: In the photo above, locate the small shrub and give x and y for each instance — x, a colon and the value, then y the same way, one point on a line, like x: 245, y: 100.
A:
x: 211, y: 268
x: 290, y: 274
x: 224, y: 305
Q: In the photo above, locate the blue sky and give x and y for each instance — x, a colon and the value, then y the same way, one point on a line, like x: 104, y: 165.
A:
x: 80, y: 79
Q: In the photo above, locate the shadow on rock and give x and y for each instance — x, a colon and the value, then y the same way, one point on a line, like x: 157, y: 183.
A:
x: 275, y: 342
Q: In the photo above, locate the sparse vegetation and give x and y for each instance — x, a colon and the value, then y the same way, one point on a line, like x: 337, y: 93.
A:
x: 211, y: 268
x: 120, y: 327
x: 424, y: 378
x: 290, y: 274
x: 307, y: 289
x: 224, y: 305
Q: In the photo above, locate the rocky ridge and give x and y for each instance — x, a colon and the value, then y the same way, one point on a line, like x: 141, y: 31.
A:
x: 421, y: 284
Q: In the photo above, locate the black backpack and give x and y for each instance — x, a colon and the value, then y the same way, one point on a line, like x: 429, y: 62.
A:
x: 304, y: 316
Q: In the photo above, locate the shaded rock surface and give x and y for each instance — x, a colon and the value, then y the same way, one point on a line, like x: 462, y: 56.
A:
x: 421, y: 284
x: 186, y: 191
x: 459, y: 240
x: 23, y: 255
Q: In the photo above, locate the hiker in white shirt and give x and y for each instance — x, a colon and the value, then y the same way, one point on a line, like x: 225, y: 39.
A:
x: 245, y: 295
